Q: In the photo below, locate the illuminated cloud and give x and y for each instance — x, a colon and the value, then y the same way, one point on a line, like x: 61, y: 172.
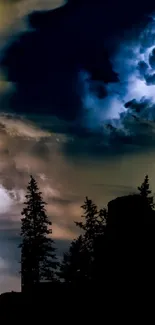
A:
x: 6, y: 202
x: 136, y: 82
x: 21, y: 128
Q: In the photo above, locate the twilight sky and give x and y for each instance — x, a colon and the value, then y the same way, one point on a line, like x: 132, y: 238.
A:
x: 77, y: 110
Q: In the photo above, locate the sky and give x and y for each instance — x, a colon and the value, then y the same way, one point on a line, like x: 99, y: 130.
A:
x: 77, y: 110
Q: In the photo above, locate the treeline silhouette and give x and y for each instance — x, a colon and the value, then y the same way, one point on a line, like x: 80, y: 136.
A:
x: 114, y: 252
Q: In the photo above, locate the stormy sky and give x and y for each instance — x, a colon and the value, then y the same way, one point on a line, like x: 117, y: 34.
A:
x: 77, y: 110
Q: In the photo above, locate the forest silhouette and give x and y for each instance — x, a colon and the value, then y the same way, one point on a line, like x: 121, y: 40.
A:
x: 114, y: 253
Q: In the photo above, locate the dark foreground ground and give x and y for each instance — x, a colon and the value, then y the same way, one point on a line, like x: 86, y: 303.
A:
x: 48, y: 301
x: 83, y: 305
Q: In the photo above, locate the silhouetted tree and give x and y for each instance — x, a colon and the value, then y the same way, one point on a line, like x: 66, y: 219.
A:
x: 73, y: 268
x: 38, y: 259
x: 78, y: 263
x: 145, y: 191
x: 94, y: 223
x: 93, y: 228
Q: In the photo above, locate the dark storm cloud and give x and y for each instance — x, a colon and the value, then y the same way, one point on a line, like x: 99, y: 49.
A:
x: 135, y: 135
x: 152, y: 59
x: 44, y: 63
x: 142, y: 68
x: 138, y: 106
x: 150, y: 79
x: 146, y: 70
x: 99, y: 148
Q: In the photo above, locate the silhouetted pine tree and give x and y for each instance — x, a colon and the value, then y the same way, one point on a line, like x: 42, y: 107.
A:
x: 73, y: 268
x: 145, y: 191
x: 78, y: 264
x: 93, y: 228
x: 94, y: 223
x: 38, y: 259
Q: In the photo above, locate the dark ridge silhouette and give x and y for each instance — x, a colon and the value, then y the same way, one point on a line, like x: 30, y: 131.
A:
x: 129, y: 242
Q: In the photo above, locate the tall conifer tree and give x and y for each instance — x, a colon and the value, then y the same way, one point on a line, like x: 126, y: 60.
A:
x: 145, y: 191
x: 38, y: 259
